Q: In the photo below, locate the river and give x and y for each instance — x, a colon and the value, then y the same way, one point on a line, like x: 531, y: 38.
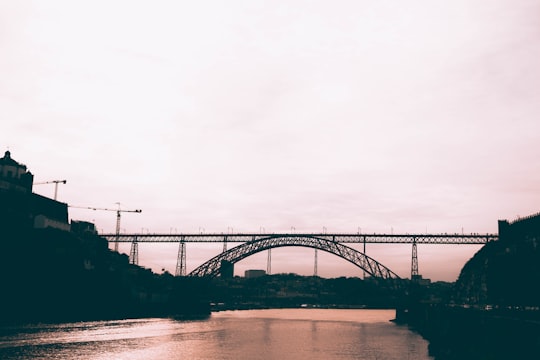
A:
x: 249, y: 334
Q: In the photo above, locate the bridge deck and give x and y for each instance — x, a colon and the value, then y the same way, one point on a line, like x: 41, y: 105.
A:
x: 457, y: 239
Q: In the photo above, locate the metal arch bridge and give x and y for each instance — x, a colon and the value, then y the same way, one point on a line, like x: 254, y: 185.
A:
x: 326, y: 242
x: 212, y: 267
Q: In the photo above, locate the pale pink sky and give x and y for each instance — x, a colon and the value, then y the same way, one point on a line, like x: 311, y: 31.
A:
x: 409, y: 116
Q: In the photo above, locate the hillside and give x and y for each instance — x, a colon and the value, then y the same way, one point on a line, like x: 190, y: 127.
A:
x: 505, y: 272
x: 50, y: 275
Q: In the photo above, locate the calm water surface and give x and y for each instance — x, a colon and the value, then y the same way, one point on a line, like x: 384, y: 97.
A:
x: 254, y: 334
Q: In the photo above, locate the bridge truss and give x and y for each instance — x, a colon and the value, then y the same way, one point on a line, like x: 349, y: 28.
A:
x: 314, y: 240
x: 456, y: 239
x: 371, y: 266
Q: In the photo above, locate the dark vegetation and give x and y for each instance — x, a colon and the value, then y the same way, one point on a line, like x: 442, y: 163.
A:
x: 291, y: 290
x: 49, y: 275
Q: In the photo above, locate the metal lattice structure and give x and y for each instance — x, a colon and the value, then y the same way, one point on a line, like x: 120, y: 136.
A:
x: 212, y: 267
x: 134, y: 252
x: 358, y: 238
x: 455, y: 239
x: 414, y: 263
x: 181, y: 261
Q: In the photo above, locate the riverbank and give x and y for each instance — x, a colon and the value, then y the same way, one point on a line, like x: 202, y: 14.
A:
x: 456, y: 332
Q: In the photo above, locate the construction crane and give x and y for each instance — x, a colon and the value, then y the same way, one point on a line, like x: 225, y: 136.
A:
x: 55, y: 182
x: 118, y: 211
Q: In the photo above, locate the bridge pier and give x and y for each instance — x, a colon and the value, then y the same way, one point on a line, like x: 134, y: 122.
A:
x: 315, y: 263
x: 181, y: 259
x: 134, y: 252
x: 363, y: 270
x: 269, y: 263
x: 414, y: 262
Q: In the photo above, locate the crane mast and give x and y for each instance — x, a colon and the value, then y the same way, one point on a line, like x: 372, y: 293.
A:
x: 55, y: 182
x: 118, y: 211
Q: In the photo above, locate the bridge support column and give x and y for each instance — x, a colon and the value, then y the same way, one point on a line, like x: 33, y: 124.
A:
x: 117, y: 230
x: 414, y: 263
x: 181, y: 260
x: 269, y: 263
x: 315, y: 264
x: 364, y: 271
x: 134, y: 252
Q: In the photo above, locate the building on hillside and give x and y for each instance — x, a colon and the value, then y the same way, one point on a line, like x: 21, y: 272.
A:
x: 47, y: 213
x: 14, y: 177
x: 19, y: 206
x: 522, y: 228
x: 83, y: 227
x: 15, y: 189
x: 249, y: 274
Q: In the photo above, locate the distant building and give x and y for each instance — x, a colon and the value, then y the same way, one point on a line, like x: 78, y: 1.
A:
x: 19, y: 206
x: 254, y: 273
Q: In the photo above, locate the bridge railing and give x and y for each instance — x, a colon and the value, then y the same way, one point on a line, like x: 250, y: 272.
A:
x: 464, y: 239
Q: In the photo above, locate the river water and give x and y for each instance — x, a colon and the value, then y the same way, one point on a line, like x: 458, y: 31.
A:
x: 250, y: 334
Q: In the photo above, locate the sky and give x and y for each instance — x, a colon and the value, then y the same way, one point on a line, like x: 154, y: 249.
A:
x: 278, y: 116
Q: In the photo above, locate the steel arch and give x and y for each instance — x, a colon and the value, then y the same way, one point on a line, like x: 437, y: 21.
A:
x: 211, y: 268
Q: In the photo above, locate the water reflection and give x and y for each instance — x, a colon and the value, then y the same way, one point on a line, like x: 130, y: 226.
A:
x: 258, y: 334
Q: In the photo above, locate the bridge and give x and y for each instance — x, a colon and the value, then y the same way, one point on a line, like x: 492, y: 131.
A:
x: 252, y: 243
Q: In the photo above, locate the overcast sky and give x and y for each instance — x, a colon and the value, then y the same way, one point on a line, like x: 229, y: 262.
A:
x: 249, y: 116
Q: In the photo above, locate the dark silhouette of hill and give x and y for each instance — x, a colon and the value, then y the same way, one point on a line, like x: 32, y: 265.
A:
x: 50, y: 275
x: 504, y: 272
x: 495, y: 312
